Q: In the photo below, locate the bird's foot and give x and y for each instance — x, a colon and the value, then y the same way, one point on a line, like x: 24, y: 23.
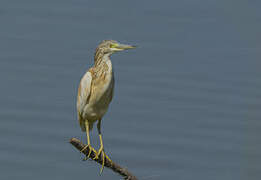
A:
x: 103, y: 156
x: 91, y: 149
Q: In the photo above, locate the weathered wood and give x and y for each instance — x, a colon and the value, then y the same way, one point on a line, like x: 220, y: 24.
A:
x: 111, y: 165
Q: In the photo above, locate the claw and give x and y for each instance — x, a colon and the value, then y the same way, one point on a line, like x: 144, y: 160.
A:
x: 103, y: 154
x: 91, y: 149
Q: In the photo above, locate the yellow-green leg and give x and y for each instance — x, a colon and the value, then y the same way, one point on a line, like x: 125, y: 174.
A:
x: 87, y: 127
x: 101, y: 150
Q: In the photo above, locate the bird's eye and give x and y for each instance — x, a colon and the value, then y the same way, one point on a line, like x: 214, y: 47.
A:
x: 113, y: 45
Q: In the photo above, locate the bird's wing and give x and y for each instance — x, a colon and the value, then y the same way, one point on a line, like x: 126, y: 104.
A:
x: 84, y: 91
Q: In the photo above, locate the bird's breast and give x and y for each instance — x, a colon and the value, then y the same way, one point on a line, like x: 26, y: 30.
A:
x: 101, y: 94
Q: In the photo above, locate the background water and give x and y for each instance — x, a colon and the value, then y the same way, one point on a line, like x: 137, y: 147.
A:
x: 187, y: 101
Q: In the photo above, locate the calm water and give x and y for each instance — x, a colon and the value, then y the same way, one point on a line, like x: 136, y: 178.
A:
x: 187, y: 101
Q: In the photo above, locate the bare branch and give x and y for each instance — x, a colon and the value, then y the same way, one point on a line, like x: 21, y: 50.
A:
x: 111, y: 165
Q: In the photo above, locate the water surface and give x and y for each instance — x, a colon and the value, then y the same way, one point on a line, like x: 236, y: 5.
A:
x: 187, y: 101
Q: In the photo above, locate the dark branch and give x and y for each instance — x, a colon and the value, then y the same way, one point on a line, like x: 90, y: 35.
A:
x: 111, y: 165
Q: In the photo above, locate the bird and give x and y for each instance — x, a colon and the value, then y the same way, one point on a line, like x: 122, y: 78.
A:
x: 95, y: 93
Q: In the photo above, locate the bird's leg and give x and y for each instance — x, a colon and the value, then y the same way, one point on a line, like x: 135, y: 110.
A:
x: 87, y: 127
x: 101, y: 150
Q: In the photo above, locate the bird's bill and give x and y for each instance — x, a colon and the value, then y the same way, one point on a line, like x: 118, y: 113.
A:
x: 121, y: 47
x: 125, y: 46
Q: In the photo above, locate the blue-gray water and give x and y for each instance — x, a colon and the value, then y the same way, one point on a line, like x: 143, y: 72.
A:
x: 187, y: 101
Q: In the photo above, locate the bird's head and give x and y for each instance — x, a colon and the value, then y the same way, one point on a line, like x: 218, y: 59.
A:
x: 110, y: 46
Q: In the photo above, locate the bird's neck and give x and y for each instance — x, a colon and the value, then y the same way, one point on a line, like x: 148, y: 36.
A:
x: 102, y: 64
x: 100, y: 59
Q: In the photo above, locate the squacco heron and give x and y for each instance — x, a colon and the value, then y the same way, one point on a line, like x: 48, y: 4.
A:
x: 95, y: 92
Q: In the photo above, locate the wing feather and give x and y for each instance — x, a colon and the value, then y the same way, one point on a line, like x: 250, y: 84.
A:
x: 84, y: 91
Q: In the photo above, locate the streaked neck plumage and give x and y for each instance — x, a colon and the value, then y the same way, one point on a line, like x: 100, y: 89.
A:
x: 100, y: 57
x: 102, y: 64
